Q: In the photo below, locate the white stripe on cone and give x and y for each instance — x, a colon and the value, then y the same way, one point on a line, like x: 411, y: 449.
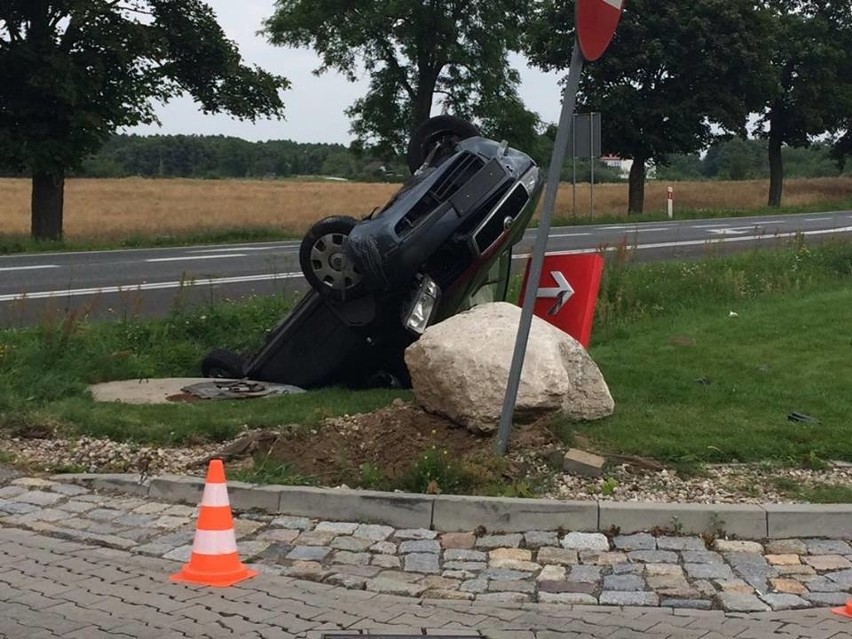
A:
x: 615, y: 3
x: 214, y: 542
x: 215, y: 495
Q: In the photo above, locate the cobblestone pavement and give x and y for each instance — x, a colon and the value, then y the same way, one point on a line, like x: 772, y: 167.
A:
x: 138, y: 542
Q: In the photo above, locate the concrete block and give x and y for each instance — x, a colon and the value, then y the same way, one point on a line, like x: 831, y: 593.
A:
x: 743, y: 520
x: 126, y: 483
x: 498, y: 514
x: 244, y: 496
x: 579, y: 462
x: 401, y: 510
x: 809, y: 520
x: 186, y: 490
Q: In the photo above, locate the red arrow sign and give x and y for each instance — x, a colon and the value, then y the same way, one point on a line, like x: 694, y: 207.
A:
x: 596, y: 23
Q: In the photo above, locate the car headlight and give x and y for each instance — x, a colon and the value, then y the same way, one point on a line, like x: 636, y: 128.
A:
x: 423, y: 307
x: 530, y: 179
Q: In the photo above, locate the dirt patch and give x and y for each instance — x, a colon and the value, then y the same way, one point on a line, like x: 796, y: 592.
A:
x: 390, y: 440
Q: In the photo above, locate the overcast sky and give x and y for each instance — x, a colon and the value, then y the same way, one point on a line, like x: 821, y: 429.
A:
x: 314, y: 105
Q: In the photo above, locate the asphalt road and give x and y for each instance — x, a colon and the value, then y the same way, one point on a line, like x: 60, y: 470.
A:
x: 151, y: 281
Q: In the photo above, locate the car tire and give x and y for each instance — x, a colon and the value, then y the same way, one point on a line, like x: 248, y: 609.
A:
x: 432, y: 132
x: 324, y: 263
x: 222, y: 363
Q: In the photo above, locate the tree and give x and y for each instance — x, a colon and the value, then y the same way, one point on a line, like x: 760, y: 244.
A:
x: 417, y: 54
x: 673, y: 71
x: 73, y: 71
x: 811, y: 77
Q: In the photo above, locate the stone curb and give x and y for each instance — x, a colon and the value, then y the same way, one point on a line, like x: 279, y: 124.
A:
x: 455, y: 513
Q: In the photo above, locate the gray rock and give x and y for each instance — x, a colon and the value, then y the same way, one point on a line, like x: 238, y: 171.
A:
x: 421, y: 562
x: 503, y: 574
x: 474, y: 585
x: 499, y: 541
x: 827, y: 598
x: 294, y: 523
x: 708, y: 571
x: 538, y: 538
x: 784, y: 601
x: 458, y: 554
x: 737, y: 602
x: 585, y: 541
x: 308, y: 553
x: 496, y: 585
x: 701, y: 557
x: 752, y: 568
x: 691, y: 604
x: 566, y: 586
x: 653, y: 556
x: 419, y: 545
x: 640, y: 541
x: 351, y: 558
x: 628, y: 569
x: 611, y: 598
x: 842, y: 577
x: 824, y: 584
x: 569, y: 598
x: 559, y: 556
x: 680, y: 543
x: 373, y: 532
x: 465, y: 565
x: 16, y: 507
x: 415, y: 533
x: 786, y: 547
x: 586, y: 574
x: 353, y: 582
x: 623, y: 583
x: 354, y: 544
x: 389, y: 586
x: 828, y: 547
x: 504, y: 597
x: 337, y: 527
x: 69, y: 490
x: 39, y: 498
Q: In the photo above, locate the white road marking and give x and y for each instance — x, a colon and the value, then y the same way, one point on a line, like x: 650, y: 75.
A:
x: 569, y: 234
x: 242, y: 248
x: 709, y: 226
x: 28, y: 268
x: 152, y: 286
x: 711, y: 242
x: 817, y: 219
x: 195, y: 257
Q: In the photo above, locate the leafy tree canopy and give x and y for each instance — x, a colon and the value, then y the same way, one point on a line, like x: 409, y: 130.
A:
x: 418, y: 54
x: 673, y: 70
x: 73, y: 71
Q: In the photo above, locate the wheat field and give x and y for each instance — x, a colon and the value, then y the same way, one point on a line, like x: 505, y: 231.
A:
x: 114, y: 209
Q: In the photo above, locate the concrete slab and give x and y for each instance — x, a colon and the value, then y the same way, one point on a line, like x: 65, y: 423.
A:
x: 462, y: 513
x: 743, y: 520
x: 809, y: 520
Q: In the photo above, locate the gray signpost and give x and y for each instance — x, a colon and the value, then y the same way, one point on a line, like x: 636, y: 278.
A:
x: 586, y: 143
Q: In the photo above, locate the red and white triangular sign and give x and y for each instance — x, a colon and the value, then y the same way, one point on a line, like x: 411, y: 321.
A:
x: 596, y: 23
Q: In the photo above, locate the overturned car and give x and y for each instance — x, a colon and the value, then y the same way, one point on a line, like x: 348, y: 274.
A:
x: 440, y: 245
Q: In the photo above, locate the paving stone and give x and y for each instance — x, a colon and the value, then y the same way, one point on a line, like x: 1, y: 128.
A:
x: 504, y: 597
x: 728, y: 545
x: 384, y: 547
x: 797, y: 570
x: 74, y: 506
x: 753, y: 568
x: 43, y: 514
x: 69, y: 490
x: 843, y: 577
x: 181, y: 553
x: 16, y: 507
x: 738, y: 602
x: 134, y: 520
x: 735, y: 585
x: 690, y: 604
x: 614, y: 598
x: 373, y: 532
x: 386, y: 561
x: 39, y: 498
x: 828, y: 547
x: 499, y: 541
x: 567, y: 586
x: 783, y: 560
x: 556, y: 556
x: 708, y: 571
x: 788, y: 586
x: 295, y: 523
x: 786, y: 547
x: 278, y: 535
x: 624, y: 583
x: 538, y: 538
x: 828, y: 598
x: 567, y: 598
x: 602, y: 558
x: 583, y: 463
x: 458, y: 540
x: 447, y: 595
x: 351, y: 558
x: 514, y: 564
x: 337, y: 527
x: 511, y: 586
x: 308, y: 553
x: 462, y: 575
x: 585, y: 541
x: 8, y: 492
x: 670, y: 570
x: 474, y: 585
x: 653, y: 556
x: 701, y: 557
x: 415, y: 533
x: 461, y: 554
x: 421, y: 562
x: 33, y: 482
x: 552, y: 573
x: 639, y: 541
x: 347, y: 581
x: 587, y: 574
x: 315, y: 538
x: 785, y: 601
x: 827, y: 562
x: 680, y: 543
x: 312, y: 570
x: 474, y: 566
x: 517, y: 554
x: 824, y: 584
x: 420, y: 545
x: 502, y: 574
x: 394, y: 587
x: 275, y: 553
x: 628, y: 569
x: 353, y: 544
x: 166, y: 521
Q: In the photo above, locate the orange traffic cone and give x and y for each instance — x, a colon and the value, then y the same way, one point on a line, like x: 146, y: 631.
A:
x: 845, y: 611
x: 214, y: 560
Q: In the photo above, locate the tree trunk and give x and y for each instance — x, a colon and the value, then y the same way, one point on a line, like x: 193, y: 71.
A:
x: 776, y: 168
x: 47, y: 204
x: 636, y: 188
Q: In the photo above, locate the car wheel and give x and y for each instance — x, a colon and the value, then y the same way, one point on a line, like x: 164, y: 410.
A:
x: 222, y: 363
x: 433, y: 132
x: 324, y: 262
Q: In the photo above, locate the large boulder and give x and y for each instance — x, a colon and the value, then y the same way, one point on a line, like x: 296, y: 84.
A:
x: 460, y: 367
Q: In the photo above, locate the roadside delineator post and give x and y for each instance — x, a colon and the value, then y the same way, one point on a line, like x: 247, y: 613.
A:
x: 844, y: 611
x: 670, y: 202
x: 214, y: 560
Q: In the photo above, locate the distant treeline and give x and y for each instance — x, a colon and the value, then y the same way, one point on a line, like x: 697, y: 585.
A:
x: 211, y: 157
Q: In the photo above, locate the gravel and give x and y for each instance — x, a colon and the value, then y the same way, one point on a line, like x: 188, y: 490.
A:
x: 724, y: 483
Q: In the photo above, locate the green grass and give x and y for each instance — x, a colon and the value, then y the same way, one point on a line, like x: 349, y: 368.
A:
x: 816, y: 493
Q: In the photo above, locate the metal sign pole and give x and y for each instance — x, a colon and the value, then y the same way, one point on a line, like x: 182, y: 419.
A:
x: 566, y: 124
x: 592, y: 166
